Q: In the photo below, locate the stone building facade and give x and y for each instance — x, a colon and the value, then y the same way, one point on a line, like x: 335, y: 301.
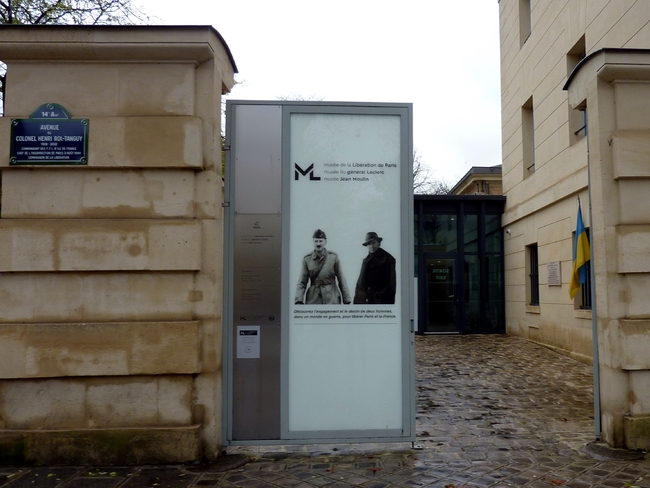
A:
x: 576, y: 123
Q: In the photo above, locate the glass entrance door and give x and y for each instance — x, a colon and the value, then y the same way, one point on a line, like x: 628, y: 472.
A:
x: 441, y: 309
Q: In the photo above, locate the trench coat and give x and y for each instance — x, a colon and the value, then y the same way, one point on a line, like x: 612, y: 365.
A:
x: 377, y: 281
x: 325, y: 277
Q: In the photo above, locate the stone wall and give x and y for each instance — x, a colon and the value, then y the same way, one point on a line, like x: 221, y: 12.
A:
x: 111, y: 273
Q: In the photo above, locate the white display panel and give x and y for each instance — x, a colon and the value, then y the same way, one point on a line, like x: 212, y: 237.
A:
x: 345, y: 364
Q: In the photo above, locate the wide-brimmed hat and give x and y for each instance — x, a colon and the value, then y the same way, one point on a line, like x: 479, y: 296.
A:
x: 319, y: 234
x: 372, y: 236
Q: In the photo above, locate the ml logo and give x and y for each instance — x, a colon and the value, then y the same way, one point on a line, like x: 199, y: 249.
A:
x: 299, y: 171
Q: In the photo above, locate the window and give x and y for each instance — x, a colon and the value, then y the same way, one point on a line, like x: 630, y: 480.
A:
x: 577, y: 116
x: 533, y: 275
x: 581, y: 131
x: 575, y: 55
x: 528, y: 137
x: 525, y: 20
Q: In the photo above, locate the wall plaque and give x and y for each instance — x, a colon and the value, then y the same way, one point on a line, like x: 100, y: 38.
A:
x: 49, y: 136
x: 554, y: 273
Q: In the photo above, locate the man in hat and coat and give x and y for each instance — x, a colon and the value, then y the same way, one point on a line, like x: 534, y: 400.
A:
x: 322, y: 270
x: 377, y: 281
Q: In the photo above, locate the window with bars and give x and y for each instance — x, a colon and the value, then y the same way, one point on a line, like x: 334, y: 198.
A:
x: 533, y: 275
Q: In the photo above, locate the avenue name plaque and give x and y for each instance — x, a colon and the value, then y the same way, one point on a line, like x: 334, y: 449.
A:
x: 49, y: 136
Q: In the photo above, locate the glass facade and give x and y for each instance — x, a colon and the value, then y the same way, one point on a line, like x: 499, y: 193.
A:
x: 459, y: 264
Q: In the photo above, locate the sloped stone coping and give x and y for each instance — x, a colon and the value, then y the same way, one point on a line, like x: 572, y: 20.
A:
x: 603, y: 452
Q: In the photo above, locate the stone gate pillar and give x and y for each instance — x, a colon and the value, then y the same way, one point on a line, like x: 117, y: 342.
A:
x: 613, y: 85
x: 111, y: 271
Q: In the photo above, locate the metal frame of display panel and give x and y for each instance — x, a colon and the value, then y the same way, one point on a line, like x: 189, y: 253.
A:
x: 348, y: 113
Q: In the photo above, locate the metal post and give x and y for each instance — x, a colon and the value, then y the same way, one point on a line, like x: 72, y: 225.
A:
x: 594, y: 315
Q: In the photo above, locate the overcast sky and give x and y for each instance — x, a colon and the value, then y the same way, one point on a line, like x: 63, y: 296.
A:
x: 440, y: 55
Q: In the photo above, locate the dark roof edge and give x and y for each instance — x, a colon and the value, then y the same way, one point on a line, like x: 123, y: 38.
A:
x: 592, y: 55
x: 478, y: 170
x: 448, y: 197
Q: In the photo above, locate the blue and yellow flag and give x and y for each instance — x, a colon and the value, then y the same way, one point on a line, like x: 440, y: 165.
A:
x: 581, y: 254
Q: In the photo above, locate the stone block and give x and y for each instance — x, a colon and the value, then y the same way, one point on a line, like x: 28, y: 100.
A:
x: 99, y: 245
x: 635, y: 295
x: 137, y: 142
x: 96, y: 297
x: 175, y: 400
x: 92, y: 447
x: 145, y: 142
x: 640, y: 392
x: 634, y: 200
x: 118, y: 403
x: 102, y: 89
x: 42, y: 404
x: 635, y: 344
x: 637, y: 432
x: 630, y: 153
x: 97, y: 194
x: 633, y: 248
x: 632, y: 108
x: 98, y: 349
x: 102, y: 402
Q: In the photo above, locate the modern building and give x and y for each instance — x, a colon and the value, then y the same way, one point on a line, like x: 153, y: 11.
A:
x: 575, y: 80
x: 459, y: 264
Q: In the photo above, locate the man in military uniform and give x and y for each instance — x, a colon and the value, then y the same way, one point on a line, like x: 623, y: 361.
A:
x: 322, y: 270
x: 377, y: 281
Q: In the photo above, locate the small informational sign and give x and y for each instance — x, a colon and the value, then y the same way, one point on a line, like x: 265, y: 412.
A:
x: 49, y: 136
x: 554, y: 273
x: 248, y: 342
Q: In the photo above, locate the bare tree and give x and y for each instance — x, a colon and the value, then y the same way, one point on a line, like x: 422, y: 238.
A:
x: 302, y: 98
x: 58, y: 12
x: 87, y: 12
x: 423, y: 181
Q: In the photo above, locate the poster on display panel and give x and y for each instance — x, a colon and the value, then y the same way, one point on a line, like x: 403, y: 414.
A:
x: 345, y: 234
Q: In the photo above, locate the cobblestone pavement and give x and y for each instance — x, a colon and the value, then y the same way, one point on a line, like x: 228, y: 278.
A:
x: 493, y: 411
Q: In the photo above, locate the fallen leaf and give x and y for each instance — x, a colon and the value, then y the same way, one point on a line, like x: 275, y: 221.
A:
x: 556, y: 482
x: 374, y: 470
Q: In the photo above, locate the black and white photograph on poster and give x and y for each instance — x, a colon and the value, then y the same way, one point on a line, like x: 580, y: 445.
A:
x: 377, y: 281
x: 345, y: 215
x: 345, y: 269
x: 321, y: 278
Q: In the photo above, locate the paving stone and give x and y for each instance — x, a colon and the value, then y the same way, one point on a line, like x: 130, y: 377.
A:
x: 493, y: 411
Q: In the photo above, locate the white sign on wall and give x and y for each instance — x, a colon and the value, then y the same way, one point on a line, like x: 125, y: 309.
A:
x: 248, y: 341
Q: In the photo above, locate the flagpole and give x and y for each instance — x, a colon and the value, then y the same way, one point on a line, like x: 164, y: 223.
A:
x: 594, y: 315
